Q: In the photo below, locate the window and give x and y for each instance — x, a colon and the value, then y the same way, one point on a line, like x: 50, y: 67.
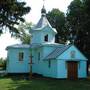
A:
x: 38, y: 56
x: 46, y: 38
x: 21, y: 55
x: 49, y: 63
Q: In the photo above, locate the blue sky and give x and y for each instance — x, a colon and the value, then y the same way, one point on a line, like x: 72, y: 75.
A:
x: 33, y: 16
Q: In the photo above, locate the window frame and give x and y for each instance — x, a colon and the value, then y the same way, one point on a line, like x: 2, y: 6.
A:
x: 21, y: 56
x: 46, y: 38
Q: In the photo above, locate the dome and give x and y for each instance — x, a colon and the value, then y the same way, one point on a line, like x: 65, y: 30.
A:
x: 43, y: 11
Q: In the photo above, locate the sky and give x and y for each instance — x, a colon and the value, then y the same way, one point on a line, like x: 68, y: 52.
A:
x: 33, y: 16
x: 36, y: 6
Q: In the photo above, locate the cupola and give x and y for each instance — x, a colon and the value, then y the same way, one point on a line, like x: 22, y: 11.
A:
x: 43, y: 32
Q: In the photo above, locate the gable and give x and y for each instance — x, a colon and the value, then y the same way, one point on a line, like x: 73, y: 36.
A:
x: 72, y: 53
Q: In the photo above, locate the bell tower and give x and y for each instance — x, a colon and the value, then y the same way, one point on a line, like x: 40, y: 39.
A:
x: 43, y: 32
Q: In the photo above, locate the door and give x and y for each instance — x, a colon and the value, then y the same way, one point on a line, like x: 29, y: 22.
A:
x: 72, y: 70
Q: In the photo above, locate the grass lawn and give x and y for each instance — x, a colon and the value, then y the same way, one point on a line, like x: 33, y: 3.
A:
x: 43, y: 84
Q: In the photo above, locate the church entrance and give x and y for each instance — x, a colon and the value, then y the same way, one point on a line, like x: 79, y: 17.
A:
x: 72, y: 70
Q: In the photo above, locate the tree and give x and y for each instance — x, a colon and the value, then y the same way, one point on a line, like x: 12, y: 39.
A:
x: 23, y: 33
x: 78, y: 24
x: 57, y: 20
x: 74, y: 19
x: 86, y: 27
x: 11, y: 14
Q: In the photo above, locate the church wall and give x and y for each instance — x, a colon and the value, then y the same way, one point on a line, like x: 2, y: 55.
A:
x: 16, y: 66
x: 50, y: 71
x: 41, y: 66
x: 82, y: 69
x: 37, y: 60
x: 36, y: 37
x: 61, y: 69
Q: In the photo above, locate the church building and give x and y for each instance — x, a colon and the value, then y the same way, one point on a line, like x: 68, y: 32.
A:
x: 44, y: 56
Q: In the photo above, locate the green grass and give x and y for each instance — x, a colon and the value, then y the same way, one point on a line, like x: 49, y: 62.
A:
x: 43, y: 84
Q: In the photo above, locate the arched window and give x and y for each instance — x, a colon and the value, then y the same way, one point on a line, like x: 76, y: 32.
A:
x: 46, y: 38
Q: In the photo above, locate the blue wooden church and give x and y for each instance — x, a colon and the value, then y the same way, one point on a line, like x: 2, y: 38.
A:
x: 46, y: 57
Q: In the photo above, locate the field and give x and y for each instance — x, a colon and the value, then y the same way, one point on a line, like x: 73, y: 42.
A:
x: 16, y: 83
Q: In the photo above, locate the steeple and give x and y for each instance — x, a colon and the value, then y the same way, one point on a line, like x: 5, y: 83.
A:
x: 43, y: 32
x: 43, y: 10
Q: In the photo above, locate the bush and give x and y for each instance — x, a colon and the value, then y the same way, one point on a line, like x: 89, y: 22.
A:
x: 2, y: 64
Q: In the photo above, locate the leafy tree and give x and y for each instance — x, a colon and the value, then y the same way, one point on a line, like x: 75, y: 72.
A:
x: 24, y: 34
x: 11, y: 14
x: 86, y: 27
x: 57, y: 20
x: 74, y: 19
x: 78, y: 24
